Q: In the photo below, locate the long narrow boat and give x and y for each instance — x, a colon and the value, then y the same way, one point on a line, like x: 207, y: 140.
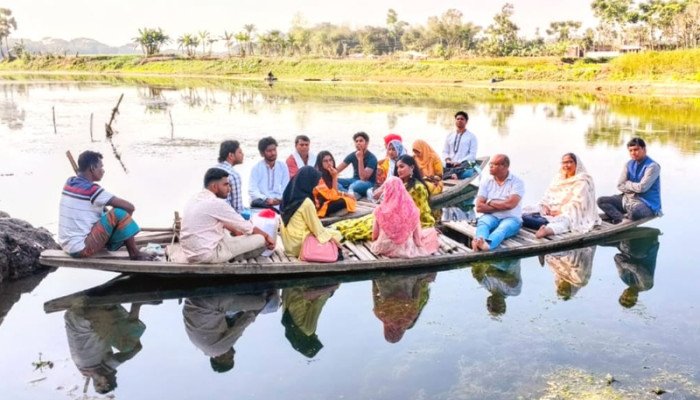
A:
x: 452, y: 189
x: 144, y: 288
x: 358, y: 256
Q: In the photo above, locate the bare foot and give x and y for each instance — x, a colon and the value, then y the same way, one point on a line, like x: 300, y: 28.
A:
x: 484, y: 245
x: 454, y: 176
x: 475, y: 243
x: 543, y: 232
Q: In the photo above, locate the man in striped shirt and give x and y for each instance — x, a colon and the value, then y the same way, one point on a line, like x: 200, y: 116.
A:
x: 230, y: 155
x: 85, y: 224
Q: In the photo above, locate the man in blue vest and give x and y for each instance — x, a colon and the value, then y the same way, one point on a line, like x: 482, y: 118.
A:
x: 640, y: 184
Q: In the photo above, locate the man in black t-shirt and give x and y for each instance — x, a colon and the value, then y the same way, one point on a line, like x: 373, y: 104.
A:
x: 364, y: 164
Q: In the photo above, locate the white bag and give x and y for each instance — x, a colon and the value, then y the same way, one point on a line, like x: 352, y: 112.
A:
x: 268, y: 222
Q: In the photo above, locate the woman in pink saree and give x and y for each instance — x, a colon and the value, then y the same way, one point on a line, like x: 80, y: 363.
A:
x: 397, y: 231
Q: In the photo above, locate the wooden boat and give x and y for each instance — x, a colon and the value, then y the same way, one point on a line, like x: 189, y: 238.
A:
x: 452, y: 189
x: 358, y: 256
x: 144, y: 288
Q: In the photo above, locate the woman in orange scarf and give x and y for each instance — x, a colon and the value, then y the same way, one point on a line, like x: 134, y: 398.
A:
x: 327, y: 197
x: 430, y: 165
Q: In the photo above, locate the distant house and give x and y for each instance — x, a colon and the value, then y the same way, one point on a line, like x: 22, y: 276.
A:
x: 630, y: 49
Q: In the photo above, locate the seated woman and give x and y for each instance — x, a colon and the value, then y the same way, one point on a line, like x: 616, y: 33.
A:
x: 299, y: 217
x: 360, y: 229
x: 430, y: 165
x: 397, y: 231
x: 326, y: 196
x: 567, y: 205
x: 387, y: 166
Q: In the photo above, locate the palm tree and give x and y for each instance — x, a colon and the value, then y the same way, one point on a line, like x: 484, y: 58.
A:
x: 228, y: 40
x: 242, y: 38
x: 249, y: 28
x: 204, y: 38
x: 7, y: 24
x: 188, y: 43
x: 151, y: 40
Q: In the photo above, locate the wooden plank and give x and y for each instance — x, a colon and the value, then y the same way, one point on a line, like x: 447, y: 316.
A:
x: 360, y: 253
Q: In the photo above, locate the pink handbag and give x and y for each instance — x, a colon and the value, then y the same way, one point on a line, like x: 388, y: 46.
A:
x: 314, y: 251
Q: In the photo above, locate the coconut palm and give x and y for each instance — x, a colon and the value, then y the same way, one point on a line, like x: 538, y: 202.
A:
x: 249, y: 28
x: 151, y: 40
x: 188, y: 43
x: 204, y: 38
x: 228, y: 38
x: 242, y: 38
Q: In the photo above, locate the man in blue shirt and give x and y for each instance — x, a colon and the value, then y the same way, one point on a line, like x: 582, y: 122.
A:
x: 364, y: 164
x: 640, y: 184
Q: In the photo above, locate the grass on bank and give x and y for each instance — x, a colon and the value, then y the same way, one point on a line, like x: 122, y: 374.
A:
x: 667, y: 66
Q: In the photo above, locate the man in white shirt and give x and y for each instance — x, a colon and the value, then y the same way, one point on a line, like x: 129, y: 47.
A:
x: 209, y: 222
x: 302, y: 156
x: 459, y: 152
x: 499, y: 200
x: 268, y: 178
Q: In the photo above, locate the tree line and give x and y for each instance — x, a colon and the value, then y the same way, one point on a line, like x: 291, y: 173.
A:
x: 654, y: 24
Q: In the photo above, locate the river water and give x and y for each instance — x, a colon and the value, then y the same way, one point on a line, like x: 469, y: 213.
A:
x: 618, y: 320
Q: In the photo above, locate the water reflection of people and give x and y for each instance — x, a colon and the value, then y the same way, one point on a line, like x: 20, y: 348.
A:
x: 502, y: 279
x: 398, y: 302
x: 215, y: 323
x: 302, y: 308
x: 92, y: 334
x: 572, y: 270
x: 635, y: 264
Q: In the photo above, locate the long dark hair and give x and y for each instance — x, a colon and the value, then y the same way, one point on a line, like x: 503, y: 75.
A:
x: 417, y: 175
x: 327, y: 178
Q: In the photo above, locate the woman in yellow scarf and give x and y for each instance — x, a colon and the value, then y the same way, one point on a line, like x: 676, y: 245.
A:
x: 430, y: 165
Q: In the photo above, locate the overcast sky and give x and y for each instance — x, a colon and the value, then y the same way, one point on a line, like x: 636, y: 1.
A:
x: 116, y: 22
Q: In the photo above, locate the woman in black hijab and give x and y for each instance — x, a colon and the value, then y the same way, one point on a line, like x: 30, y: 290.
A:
x: 299, y: 217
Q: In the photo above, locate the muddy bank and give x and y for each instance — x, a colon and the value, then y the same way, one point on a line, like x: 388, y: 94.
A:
x: 20, y: 247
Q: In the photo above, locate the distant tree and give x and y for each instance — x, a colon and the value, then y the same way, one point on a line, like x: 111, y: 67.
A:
x: 616, y: 13
x: 563, y: 30
x: 188, y: 43
x: 249, y: 28
x: 396, y: 28
x: 151, y: 40
x: 242, y: 38
x: 7, y: 25
x: 374, y: 40
x: 204, y: 38
x: 228, y: 38
x: 502, y: 36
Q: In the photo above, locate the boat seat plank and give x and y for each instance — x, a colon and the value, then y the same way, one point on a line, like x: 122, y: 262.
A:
x: 361, y: 255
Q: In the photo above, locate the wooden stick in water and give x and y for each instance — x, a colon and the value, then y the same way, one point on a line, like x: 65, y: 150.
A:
x: 53, y: 111
x: 91, y: 139
x: 172, y: 127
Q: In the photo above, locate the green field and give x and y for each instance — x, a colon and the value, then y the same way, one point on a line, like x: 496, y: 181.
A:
x: 648, y: 67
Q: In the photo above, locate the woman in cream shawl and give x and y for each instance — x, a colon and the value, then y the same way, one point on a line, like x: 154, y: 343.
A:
x: 568, y: 204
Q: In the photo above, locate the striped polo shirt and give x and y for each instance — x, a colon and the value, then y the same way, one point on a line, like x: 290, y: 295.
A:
x: 82, y: 205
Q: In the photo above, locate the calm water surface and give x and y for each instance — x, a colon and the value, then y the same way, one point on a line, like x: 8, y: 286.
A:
x: 443, y: 335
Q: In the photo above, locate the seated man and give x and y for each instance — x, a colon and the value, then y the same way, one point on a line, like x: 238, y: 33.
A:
x: 301, y: 156
x: 209, y: 222
x: 85, y: 225
x: 459, y: 152
x: 640, y: 185
x: 230, y: 155
x: 364, y: 165
x: 498, y: 199
x: 268, y: 178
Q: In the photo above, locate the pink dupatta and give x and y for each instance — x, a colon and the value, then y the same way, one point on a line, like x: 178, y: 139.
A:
x: 397, y: 215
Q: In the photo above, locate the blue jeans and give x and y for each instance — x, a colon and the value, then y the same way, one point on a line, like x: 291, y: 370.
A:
x: 359, y: 187
x: 496, y: 230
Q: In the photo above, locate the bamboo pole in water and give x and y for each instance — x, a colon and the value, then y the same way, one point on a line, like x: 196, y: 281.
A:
x: 91, y: 139
x: 72, y: 161
x: 53, y: 111
x: 172, y: 127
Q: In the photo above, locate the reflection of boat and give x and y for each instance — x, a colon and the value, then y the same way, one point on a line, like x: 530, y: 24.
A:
x: 148, y: 288
x: 453, y: 189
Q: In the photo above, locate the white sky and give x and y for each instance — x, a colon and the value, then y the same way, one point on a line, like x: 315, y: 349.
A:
x: 116, y: 22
